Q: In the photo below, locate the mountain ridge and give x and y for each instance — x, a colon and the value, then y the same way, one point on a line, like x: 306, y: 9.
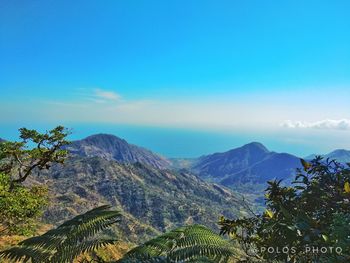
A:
x: 250, y: 163
x: 111, y: 147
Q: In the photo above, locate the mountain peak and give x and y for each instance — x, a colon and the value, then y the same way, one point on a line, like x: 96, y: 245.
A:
x: 256, y: 146
x: 103, y: 135
x: 221, y: 164
x: 252, y: 162
x: 340, y: 151
x: 341, y: 155
x: 111, y: 147
x: 104, y: 140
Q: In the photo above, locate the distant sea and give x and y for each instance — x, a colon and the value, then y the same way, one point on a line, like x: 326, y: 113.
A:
x: 169, y: 142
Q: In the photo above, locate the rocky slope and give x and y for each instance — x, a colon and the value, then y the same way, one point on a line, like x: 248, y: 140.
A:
x: 151, y: 199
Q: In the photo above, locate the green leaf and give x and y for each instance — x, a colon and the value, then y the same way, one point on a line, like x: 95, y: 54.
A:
x: 325, y: 238
x: 269, y: 213
x: 347, y: 187
x: 305, y: 164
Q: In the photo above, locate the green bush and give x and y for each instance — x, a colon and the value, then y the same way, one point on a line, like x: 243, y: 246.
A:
x: 21, y: 207
x: 306, y: 222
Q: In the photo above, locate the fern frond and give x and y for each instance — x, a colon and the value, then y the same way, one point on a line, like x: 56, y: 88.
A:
x: 69, y: 253
x: 193, y: 252
x: 184, y: 244
x: 25, y: 254
x: 88, y: 224
x: 68, y: 240
x: 44, y: 242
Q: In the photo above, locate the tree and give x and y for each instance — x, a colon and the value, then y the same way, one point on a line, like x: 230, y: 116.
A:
x: 68, y: 241
x: 34, y: 151
x: 20, y: 204
x: 306, y: 222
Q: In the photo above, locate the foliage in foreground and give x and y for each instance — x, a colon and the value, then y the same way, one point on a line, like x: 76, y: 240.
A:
x: 66, y: 242
x: 22, y: 205
x: 34, y: 151
x: 307, y: 222
x: 193, y: 243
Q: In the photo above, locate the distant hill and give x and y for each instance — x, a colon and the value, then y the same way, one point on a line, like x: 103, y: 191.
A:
x: 218, y: 165
x: 274, y: 166
x: 341, y: 155
x: 252, y: 163
x: 2, y: 140
x: 151, y: 199
x: 111, y: 147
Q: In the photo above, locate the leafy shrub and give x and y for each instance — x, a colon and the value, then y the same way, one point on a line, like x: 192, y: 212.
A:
x: 301, y: 220
x: 21, y: 207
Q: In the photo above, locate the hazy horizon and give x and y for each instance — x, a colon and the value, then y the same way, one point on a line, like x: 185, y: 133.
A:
x: 178, y: 143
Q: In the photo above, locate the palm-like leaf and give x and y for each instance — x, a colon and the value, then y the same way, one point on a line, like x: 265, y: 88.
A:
x: 67, y: 241
x: 24, y: 254
x: 194, y: 243
x: 69, y: 253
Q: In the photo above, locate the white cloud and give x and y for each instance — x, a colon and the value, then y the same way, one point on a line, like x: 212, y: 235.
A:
x: 100, y: 94
x: 342, y: 124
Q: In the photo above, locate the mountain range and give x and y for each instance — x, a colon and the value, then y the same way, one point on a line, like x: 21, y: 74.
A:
x: 251, y: 163
x: 153, y: 198
x: 155, y: 193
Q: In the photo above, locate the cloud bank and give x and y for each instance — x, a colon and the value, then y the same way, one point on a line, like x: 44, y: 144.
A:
x: 327, y: 124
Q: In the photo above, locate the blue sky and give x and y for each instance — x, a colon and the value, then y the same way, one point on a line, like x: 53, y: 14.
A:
x: 224, y: 71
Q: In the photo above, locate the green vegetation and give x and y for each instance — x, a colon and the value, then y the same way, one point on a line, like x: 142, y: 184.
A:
x: 34, y: 151
x: 21, y: 205
x: 194, y: 243
x: 307, y: 222
x: 68, y: 241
